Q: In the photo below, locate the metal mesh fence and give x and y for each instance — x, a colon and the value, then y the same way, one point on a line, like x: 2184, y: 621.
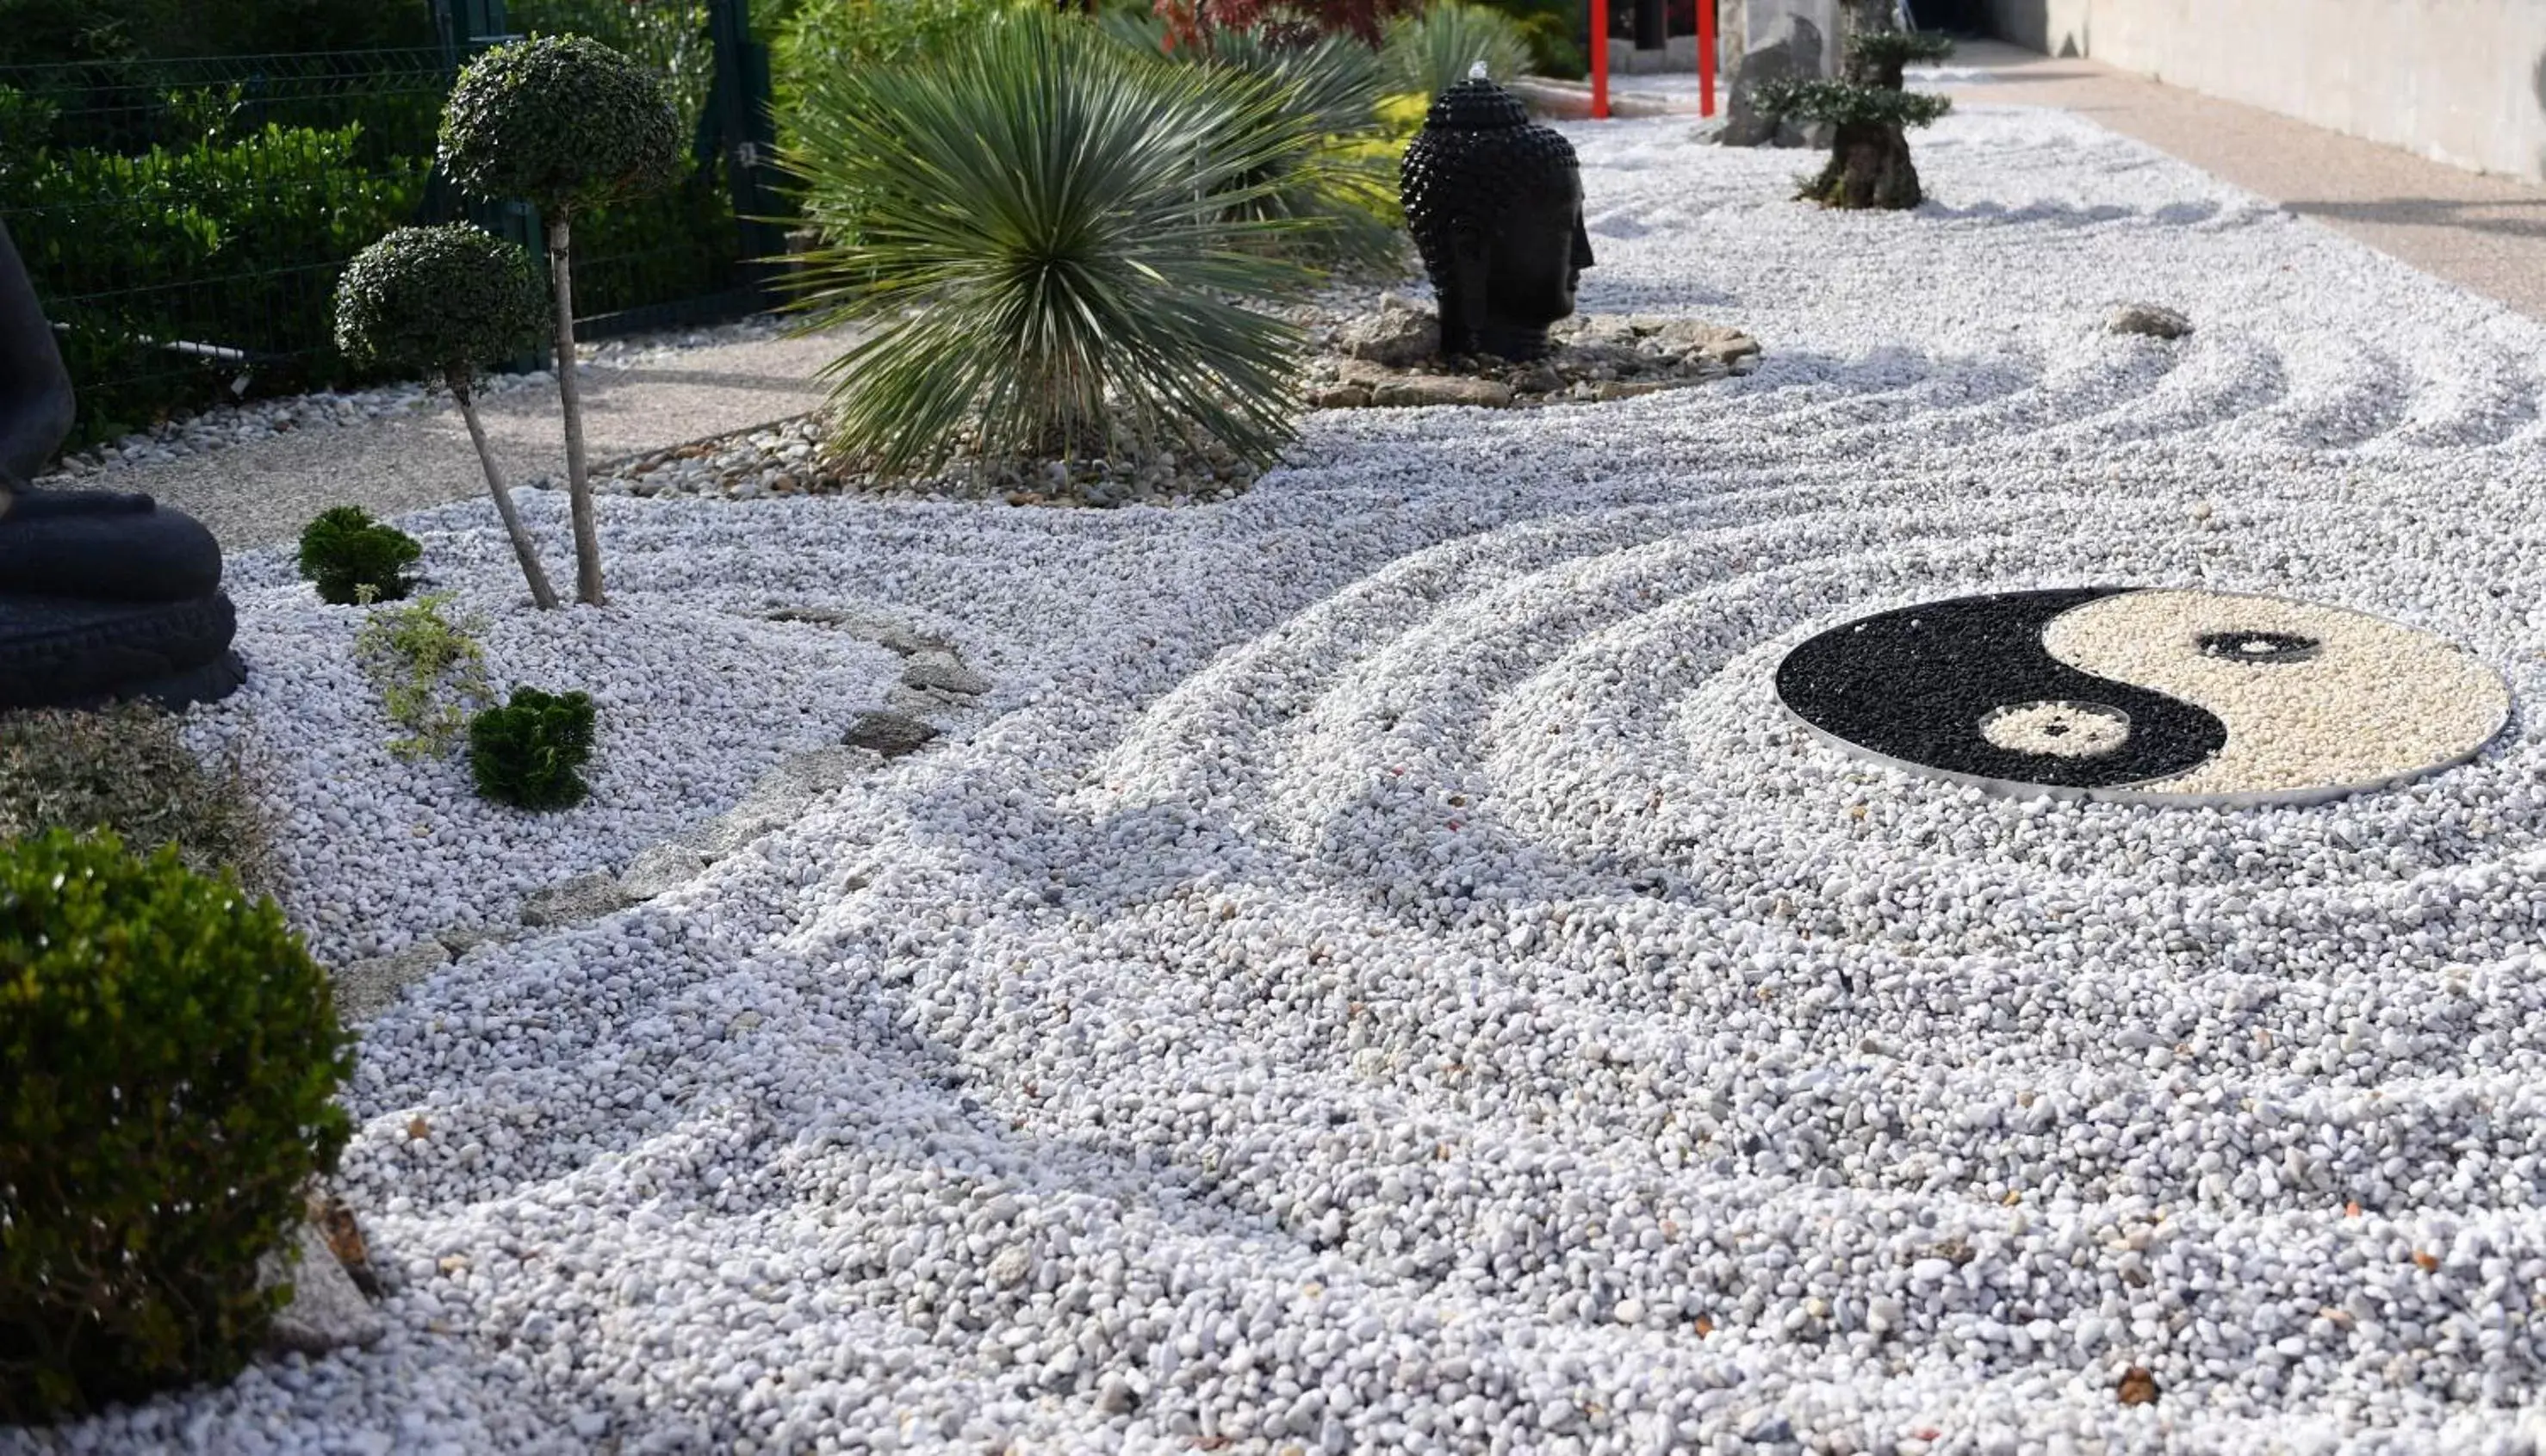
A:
x: 186, y: 220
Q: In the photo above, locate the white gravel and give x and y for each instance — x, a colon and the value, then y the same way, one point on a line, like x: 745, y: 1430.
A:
x: 1387, y: 980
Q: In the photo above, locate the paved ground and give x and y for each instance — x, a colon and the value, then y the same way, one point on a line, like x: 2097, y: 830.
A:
x: 265, y: 490
x: 2484, y: 234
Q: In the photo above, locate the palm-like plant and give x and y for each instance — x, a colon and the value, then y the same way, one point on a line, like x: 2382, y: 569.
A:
x: 1047, y: 232
x: 1431, y: 51
x: 1343, y: 192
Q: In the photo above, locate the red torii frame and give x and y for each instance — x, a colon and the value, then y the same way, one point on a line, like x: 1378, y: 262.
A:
x: 1600, y: 58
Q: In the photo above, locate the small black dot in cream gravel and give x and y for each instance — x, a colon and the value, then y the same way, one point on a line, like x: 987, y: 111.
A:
x: 2259, y: 647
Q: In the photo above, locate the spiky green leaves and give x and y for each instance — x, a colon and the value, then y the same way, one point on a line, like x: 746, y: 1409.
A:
x: 169, y: 1057
x: 1843, y: 104
x: 564, y: 122
x: 1431, y: 51
x: 1049, y: 232
x: 436, y: 300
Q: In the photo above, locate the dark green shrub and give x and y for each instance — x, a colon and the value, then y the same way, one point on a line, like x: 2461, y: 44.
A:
x: 169, y: 1057
x: 564, y: 122
x: 352, y: 559
x: 530, y: 752
x: 1045, y: 233
x: 125, y: 771
x: 438, y: 300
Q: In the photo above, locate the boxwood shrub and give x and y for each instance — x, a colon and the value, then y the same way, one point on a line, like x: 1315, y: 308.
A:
x: 169, y: 1058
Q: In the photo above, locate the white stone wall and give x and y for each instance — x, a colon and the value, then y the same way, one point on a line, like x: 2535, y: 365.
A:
x: 2460, y: 81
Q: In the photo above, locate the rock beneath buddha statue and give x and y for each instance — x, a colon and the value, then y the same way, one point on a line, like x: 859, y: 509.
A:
x: 1401, y: 334
x: 2153, y: 320
x: 1592, y: 358
x: 1416, y: 391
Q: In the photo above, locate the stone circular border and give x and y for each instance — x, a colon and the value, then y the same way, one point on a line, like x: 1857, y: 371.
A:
x: 1960, y: 663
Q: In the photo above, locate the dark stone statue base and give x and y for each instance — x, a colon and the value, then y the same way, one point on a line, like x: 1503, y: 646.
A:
x: 59, y: 652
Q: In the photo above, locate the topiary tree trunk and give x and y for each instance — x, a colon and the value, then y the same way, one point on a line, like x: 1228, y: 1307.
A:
x: 578, y: 479
x: 1869, y: 167
x: 523, y: 546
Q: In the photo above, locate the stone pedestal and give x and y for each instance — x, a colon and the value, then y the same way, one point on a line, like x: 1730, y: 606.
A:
x: 62, y: 652
x: 1775, y: 40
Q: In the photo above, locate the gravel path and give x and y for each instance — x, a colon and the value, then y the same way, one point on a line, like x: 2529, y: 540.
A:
x: 257, y: 476
x: 1387, y: 979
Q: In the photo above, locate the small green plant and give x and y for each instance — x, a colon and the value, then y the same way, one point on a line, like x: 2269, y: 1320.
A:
x: 430, y: 671
x: 531, y: 752
x: 568, y: 124
x: 1046, y: 232
x: 126, y: 771
x: 446, y: 302
x: 169, y: 1058
x: 345, y: 554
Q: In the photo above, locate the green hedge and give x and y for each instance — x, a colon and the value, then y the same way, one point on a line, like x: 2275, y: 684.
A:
x: 227, y: 243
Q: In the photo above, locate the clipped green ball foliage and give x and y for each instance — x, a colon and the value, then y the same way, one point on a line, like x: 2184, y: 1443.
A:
x: 530, y: 752
x: 563, y: 122
x: 169, y: 1059
x: 345, y: 551
x: 434, y: 300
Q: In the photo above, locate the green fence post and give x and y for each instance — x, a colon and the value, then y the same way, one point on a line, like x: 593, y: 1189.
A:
x: 747, y: 137
x: 467, y: 28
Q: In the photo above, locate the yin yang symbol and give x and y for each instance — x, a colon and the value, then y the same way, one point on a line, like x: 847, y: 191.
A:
x: 2146, y: 695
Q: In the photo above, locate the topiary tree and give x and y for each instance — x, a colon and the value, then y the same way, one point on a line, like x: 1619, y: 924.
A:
x: 566, y: 123
x: 1870, y: 164
x: 169, y: 1059
x: 446, y: 302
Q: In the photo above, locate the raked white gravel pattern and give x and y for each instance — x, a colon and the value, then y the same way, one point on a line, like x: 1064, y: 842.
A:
x: 1387, y: 980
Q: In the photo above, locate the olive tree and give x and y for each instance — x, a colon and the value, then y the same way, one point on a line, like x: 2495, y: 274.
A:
x: 445, y: 302
x: 565, y: 123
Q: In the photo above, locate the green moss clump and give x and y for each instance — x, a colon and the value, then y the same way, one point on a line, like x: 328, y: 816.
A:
x: 169, y: 1059
x: 530, y: 752
x: 352, y: 559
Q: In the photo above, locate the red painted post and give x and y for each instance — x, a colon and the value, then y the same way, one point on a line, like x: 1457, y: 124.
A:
x: 1600, y: 59
x: 1706, y: 58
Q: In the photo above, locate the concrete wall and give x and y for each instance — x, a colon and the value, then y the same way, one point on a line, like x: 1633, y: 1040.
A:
x: 2460, y: 81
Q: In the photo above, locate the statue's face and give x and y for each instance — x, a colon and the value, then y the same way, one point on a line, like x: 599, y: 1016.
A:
x: 1539, y: 253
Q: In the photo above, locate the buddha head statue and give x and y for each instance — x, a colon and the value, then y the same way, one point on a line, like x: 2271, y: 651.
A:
x: 1495, y: 201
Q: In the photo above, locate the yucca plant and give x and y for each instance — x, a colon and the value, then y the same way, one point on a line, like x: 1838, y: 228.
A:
x: 1432, y: 50
x: 1343, y: 192
x: 1047, y: 232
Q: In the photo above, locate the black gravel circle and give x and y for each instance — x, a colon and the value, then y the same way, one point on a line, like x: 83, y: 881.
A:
x: 1915, y: 683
